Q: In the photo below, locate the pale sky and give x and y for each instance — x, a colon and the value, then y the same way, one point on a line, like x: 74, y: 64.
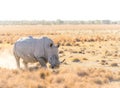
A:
x: 59, y: 9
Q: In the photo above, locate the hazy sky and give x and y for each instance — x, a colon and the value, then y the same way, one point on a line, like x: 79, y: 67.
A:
x: 59, y: 9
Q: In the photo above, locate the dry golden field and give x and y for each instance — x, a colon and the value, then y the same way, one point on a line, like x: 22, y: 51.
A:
x: 91, y: 53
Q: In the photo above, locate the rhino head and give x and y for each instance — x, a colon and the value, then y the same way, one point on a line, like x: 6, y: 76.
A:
x: 52, y: 55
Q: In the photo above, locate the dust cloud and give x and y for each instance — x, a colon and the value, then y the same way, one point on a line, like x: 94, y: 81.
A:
x: 7, y: 59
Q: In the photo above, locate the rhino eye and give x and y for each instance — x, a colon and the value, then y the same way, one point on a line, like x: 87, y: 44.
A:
x: 51, y: 45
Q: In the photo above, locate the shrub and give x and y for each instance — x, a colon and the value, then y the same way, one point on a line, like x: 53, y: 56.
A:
x: 114, y: 64
x: 76, y: 60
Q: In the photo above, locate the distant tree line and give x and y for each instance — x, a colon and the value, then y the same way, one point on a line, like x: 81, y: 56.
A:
x: 57, y: 22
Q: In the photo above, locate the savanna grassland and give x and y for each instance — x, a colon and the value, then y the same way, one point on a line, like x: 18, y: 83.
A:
x: 91, y: 53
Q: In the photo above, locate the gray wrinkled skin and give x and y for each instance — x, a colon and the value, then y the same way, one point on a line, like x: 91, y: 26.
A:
x: 33, y: 50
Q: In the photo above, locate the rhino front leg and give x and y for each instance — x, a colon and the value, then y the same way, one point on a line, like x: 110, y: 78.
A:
x: 42, y: 63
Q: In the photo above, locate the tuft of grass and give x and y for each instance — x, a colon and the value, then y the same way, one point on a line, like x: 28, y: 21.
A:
x: 42, y: 75
x: 40, y: 86
x: 109, y: 76
x: 114, y: 64
x: 68, y: 44
x: 104, y: 62
x: 76, y: 60
x: 83, y: 73
x: 60, y: 52
x: 84, y: 58
x: 98, y: 81
x: 1, y: 41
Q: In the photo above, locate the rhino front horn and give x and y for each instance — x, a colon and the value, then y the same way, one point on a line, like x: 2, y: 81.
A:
x: 62, y: 61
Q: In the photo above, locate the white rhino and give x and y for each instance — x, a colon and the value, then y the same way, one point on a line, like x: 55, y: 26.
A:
x: 32, y: 50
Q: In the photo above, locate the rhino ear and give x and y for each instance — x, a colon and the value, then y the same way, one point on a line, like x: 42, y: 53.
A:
x: 58, y: 45
x: 51, y: 45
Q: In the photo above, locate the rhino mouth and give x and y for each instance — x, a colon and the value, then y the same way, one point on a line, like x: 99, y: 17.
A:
x: 54, y: 67
x: 57, y: 66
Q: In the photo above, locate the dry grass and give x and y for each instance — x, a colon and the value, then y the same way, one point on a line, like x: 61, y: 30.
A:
x: 96, y: 47
x: 114, y: 64
x: 64, y: 77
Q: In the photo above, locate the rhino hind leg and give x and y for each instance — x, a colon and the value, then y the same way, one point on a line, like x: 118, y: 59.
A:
x: 25, y: 64
x: 17, y: 61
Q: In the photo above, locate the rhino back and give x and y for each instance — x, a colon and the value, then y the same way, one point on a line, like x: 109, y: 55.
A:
x: 28, y: 48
